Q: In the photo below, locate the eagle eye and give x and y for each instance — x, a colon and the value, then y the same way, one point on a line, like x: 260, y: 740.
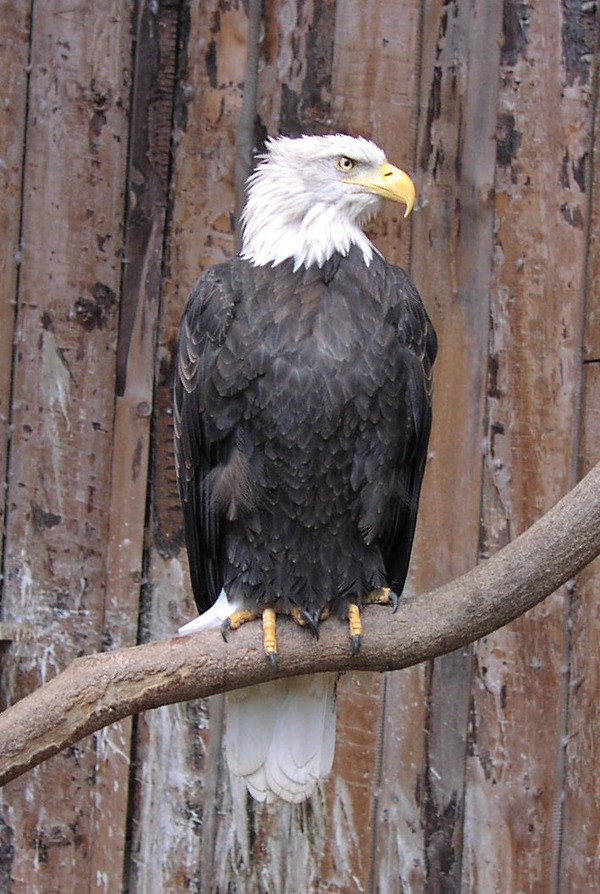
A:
x: 345, y: 164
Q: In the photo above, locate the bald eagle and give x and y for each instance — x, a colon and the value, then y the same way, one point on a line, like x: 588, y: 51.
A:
x: 302, y: 417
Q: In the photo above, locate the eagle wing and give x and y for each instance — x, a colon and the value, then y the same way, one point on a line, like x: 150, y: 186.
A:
x: 418, y: 343
x: 199, y: 447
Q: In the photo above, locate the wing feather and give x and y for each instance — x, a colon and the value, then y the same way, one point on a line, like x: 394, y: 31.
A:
x: 418, y: 341
x: 200, y: 441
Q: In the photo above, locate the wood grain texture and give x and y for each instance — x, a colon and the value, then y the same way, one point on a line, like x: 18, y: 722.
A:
x: 452, y: 252
x: 207, y: 103
x: 14, y: 55
x: 374, y: 93
x: 580, y: 867
x: 148, y: 181
x: 476, y: 775
x: 521, y: 674
x: 62, y: 412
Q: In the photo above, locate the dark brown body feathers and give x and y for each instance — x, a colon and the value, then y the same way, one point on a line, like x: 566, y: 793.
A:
x: 302, y: 417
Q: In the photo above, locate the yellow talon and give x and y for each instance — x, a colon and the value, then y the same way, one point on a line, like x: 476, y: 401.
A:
x: 379, y: 597
x: 238, y: 618
x: 382, y: 596
x: 354, y: 620
x: 297, y: 616
x: 355, y: 623
x: 269, y: 635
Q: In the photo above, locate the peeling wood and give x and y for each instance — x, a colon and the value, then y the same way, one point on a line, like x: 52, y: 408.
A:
x: 580, y: 868
x: 295, y: 79
x: 374, y: 93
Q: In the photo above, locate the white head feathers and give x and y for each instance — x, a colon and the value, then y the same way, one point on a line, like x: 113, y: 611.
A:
x: 311, y: 196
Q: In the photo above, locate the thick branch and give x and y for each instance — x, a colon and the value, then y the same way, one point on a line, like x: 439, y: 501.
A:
x: 99, y: 689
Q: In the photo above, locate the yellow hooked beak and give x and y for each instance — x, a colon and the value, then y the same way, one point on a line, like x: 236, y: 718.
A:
x: 389, y: 183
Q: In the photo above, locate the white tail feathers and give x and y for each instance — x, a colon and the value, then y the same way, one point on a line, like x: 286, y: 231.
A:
x: 212, y: 618
x: 280, y: 736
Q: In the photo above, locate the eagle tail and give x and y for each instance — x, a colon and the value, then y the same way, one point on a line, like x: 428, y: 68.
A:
x: 213, y: 617
x: 280, y: 736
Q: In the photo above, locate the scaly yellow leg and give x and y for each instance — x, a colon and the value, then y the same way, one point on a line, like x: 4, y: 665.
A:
x: 269, y: 620
x: 381, y: 596
x: 234, y: 621
x: 355, y: 623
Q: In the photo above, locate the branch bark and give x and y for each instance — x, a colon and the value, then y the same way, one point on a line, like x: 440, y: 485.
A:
x: 98, y: 690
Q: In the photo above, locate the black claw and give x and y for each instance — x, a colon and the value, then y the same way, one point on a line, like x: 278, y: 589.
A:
x: 355, y: 645
x: 312, y: 622
x: 274, y: 663
x: 225, y: 628
x: 395, y: 601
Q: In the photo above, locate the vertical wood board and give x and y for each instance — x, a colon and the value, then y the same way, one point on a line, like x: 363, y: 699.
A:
x: 14, y: 54
x: 63, y: 405
x: 149, y: 156
x: 207, y: 103
x: 451, y: 252
x: 515, y: 771
x: 580, y: 867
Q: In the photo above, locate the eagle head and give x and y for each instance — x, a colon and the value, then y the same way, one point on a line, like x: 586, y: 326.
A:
x: 311, y: 196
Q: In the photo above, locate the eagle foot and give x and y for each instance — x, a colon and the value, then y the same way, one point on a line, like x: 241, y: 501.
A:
x: 304, y: 618
x: 382, y: 596
x: 236, y: 620
x: 355, y: 623
x: 297, y: 615
x: 269, y: 622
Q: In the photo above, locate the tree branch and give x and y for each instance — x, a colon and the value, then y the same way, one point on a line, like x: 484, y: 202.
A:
x: 97, y: 690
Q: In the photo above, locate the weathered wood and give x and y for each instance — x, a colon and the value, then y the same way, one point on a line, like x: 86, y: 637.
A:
x: 419, y: 78
x: 59, y: 474
x: 452, y: 252
x: 208, y: 102
x: 14, y: 53
x: 149, y: 147
x: 374, y: 94
x: 580, y: 869
x: 513, y: 828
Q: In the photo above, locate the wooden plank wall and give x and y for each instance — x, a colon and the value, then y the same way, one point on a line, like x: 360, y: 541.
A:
x: 70, y: 205
x: 477, y: 774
